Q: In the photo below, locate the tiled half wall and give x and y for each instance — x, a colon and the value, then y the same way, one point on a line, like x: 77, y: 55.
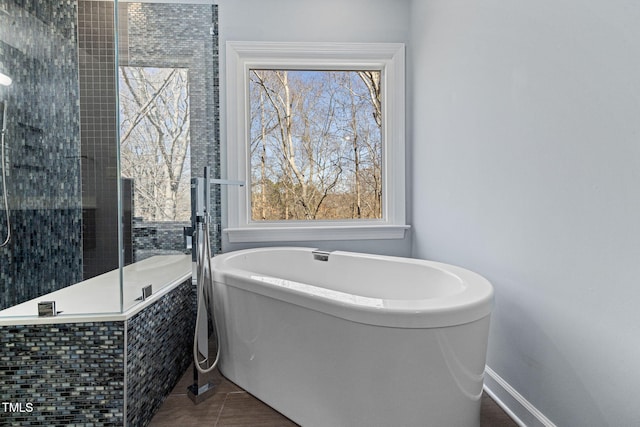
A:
x: 96, y: 373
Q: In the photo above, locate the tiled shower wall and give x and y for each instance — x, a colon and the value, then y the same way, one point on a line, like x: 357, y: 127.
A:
x: 62, y: 155
x: 98, y: 100
x: 61, y: 145
x: 39, y: 50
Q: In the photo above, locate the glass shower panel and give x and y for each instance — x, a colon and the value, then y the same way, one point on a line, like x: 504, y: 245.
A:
x: 167, y: 58
x: 60, y: 163
x: 41, y: 144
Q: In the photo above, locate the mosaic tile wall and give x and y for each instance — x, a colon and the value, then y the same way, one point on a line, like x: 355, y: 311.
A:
x: 44, y: 256
x: 75, y: 373
x: 158, y: 238
x: 99, y: 123
x: 159, y: 349
x: 38, y: 49
x: 70, y: 373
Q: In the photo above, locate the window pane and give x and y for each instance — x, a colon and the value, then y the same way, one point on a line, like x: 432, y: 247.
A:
x: 316, y: 145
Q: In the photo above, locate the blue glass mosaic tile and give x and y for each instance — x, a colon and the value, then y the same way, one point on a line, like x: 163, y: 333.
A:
x: 85, y: 373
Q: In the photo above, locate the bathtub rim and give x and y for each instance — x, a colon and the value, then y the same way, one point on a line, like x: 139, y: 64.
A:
x: 477, y: 301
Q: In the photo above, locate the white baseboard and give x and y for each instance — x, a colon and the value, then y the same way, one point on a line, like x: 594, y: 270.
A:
x: 513, y: 403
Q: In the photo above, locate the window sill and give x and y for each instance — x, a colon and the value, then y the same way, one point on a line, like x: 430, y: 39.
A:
x: 315, y: 233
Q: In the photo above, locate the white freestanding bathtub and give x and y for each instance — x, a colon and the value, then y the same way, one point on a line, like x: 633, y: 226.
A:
x: 356, y: 339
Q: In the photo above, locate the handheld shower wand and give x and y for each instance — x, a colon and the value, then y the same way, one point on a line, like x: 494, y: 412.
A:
x: 5, y: 195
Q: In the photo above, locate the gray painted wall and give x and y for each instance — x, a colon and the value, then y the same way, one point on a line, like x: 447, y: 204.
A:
x: 328, y: 21
x: 527, y: 163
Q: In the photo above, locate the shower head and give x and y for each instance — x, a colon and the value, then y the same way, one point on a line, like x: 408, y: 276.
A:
x: 5, y: 80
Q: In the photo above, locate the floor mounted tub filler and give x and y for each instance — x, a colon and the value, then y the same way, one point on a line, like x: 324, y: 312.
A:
x: 349, y: 339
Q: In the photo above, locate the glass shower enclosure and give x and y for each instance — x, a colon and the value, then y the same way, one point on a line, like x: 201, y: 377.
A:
x: 107, y: 107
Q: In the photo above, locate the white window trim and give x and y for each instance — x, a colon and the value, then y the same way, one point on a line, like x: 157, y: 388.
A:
x: 387, y: 57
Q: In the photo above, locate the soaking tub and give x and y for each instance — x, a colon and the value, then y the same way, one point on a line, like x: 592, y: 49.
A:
x: 348, y: 339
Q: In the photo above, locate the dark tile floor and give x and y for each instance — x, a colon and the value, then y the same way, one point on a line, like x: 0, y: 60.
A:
x: 232, y: 406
